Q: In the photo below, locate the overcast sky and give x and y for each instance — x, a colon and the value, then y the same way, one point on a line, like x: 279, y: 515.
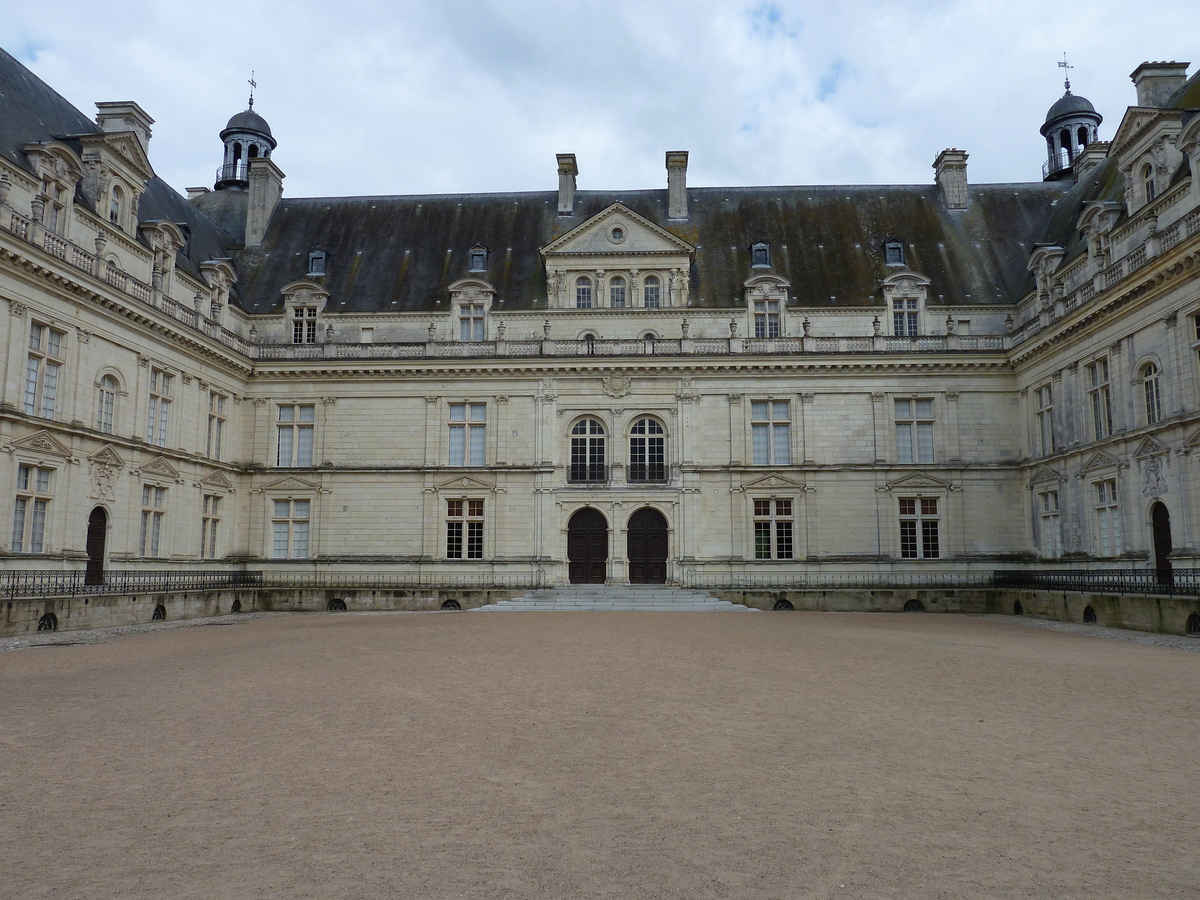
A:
x: 443, y: 96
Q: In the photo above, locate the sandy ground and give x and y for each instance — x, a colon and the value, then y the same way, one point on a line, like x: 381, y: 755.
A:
x: 639, y: 755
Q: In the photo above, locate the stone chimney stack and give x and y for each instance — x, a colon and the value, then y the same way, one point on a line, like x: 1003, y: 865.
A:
x: 567, y: 170
x: 264, y: 194
x: 1156, y: 81
x: 951, y: 177
x: 677, y: 203
x: 125, y: 115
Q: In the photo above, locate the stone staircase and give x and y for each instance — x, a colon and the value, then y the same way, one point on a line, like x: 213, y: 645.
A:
x: 638, y: 597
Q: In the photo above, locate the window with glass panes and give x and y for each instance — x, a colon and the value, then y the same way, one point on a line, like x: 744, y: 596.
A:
x: 1100, y: 398
x: 30, y: 509
x: 158, y: 406
x: 464, y: 529
x: 647, y: 451
x: 470, y: 322
x: 652, y: 292
x: 766, y: 318
x: 106, y: 404
x: 295, y: 434
x: 1108, y: 518
x: 583, y: 292
x: 42, y: 368
x: 770, y: 432
x: 1151, y: 393
x: 304, y: 325
x: 904, y: 316
x: 616, y: 292
x: 216, y: 424
x: 914, y: 431
x: 588, y: 461
x: 154, y: 502
x: 290, y: 521
x: 919, y: 523
x: 210, y: 523
x: 1051, y: 525
x: 468, y: 424
x: 773, y: 528
x: 1045, y: 419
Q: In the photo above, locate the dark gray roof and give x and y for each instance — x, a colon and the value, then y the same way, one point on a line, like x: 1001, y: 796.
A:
x: 1069, y: 105
x: 401, y: 254
x: 248, y: 120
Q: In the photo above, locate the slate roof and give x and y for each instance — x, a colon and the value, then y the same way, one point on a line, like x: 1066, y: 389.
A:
x: 401, y: 254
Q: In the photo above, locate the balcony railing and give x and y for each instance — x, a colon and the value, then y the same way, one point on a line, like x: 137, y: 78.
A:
x: 239, y: 171
x: 588, y: 473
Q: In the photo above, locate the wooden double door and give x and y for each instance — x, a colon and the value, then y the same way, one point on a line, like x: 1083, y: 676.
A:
x: 646, y: 551
x: 646, y: 547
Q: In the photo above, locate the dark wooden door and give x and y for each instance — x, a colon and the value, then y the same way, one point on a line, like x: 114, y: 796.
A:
x: 97, y: 531
x: 1160, y: 520
x: 647, y: 547
x: 587, y: 547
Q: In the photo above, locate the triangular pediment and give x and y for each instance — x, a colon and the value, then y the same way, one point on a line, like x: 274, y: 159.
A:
x: 129, y: 148
x: 41, y: 442
x: 107, y: 456
x: 1043, y: 474
x: 596, y: 237
x: 291, y: 483
x: 1149, y: 447
x: 1135, y: 121
x: 772, y: 480
x: 918, y: 481
x: 1099, y: 460
x: 465, y: 483
x: 160, y: 467
x: 216, y: 479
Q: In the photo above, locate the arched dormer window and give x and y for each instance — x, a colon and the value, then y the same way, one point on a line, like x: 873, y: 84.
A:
x: 116, y: 204
x: 583, y: 292
x: 316, y: 263
x: 652, y: 292
x: 477, y: 258
x: 893, y: 253
x: 588, y: 460
x: 760, y: 253
x: 616, y: 292
x: 1148, y: 182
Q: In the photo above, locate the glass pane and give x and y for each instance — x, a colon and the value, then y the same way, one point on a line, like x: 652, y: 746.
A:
x: 758, y: 409
x: 300, y: 508
x: 904, y: 447
x: 781, y: 448
x: 286, y: 413
x: 477, y: 434
x: 285, y: 447
x: 903, y: 409
x: 759, y: 440
x: 457, y: 444
x: 924, y: 442
x: 924, y: 409
x: 304, y: 451
x: 300, y: 540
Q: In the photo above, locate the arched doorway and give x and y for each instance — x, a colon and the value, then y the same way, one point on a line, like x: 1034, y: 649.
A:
x: 97, y: 533
x: 647, y: 547
x: 587, y: 547
x: 1160, y: 522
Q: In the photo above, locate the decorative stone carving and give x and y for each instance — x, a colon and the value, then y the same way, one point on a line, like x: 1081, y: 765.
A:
x: 616, y: 385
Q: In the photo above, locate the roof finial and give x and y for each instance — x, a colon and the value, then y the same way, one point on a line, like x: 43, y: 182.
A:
x: 1066, y: 67
x: 253, y: 84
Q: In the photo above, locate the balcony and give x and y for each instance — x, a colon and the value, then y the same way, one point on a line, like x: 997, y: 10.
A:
x: 238, y: 172
x: 587, y: 473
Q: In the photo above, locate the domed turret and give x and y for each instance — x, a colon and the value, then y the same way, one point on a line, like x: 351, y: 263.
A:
x: 1071, y: 124
x: 246, y: 136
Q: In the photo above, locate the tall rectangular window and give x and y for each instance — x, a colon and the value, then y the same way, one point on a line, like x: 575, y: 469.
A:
x: 773, y: 529
x: 1152, y: 393
x: 904, y: 316
x: 290, y: 521
x: 770, y: 432
x: 919, y: 523
x: 42, y: 370
x: 914, y: 431
x: 1051, y: 525
x: 106, y: 403
x: 470, y: 322
x: 295, y: 434
x: 1045, y: 420
x: 304, y: 325
x: 766, y: 318
x: 158, y: 407
x: 216, y: 425
x: 30, y: 510
x: 647, y: 451
x: 468, y: 424
x: 1101, y: 399
x: 1108, y: 518
x: 210, y: 523
x: 464, y: 529
x: 154, y: 501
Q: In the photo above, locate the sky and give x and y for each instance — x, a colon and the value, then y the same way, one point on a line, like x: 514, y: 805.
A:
x: 369, y: 97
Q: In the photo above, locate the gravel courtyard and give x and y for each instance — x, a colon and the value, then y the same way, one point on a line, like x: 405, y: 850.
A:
x: 623, y: 755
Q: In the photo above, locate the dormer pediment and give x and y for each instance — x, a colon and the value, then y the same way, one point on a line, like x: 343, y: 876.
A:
x: 905, y: 281
x: 617, y: 231
x: 122, y: 147
x: 1099, y: 460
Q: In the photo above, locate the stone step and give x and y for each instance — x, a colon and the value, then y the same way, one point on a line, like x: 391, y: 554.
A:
x: 644, y: 598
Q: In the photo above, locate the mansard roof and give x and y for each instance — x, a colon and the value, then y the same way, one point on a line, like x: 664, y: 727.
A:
x: 401, y: 254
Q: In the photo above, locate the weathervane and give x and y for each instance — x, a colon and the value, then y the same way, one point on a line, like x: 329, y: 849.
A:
x: 253, y: 84
x: 1064, y: 65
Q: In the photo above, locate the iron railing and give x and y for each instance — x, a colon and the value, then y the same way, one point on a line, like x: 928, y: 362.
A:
x: 1184, y: 582
x: 41, y: 583
x: 811, y: 580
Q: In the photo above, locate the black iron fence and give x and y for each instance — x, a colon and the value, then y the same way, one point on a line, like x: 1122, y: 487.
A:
x: 78, y: 582
x: 1181, y: 582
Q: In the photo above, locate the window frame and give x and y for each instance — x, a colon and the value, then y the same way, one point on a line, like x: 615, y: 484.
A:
x: 617, y: 292
x: 774, y: 528
x: 158, y: 405
x: 291, y: 529
x: 1099, y: 388
x: 152, y: 537
x: 760, y: 255
x: 768, y: 317
x: 305, y: 319
x: 647, y: 462
x: 1106, y: 506
x: 587, y: 451
x: 1150, y: 375
x: 31, y: 507
x: 911, y: 427
x: 217, y: 417
x: 1049, y: 523
x: 894, y: 252
x: 906, y: 316
x: 210, y: 524
x: 920, y: 527
x: 472, y: 326
x: 467, y: 437
x: 295, y: 426
x: 1044, y: 417
x: 45, y: 361
x: 584, y: 292
x: 770, y: 435
x: 106, y: 403
x: 464, y: 517
x: 652, y: 292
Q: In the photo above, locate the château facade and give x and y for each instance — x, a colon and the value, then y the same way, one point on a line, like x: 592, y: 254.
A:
x: 692, y: 385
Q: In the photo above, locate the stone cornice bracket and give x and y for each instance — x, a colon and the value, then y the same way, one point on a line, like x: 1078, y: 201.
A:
x: 16, y: 308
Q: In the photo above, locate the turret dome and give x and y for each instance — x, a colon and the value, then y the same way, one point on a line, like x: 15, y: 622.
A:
x: 1067, y: 105
x: 248, y: 120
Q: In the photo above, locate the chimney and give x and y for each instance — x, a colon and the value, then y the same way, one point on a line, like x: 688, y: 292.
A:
x: 567, y: 170
x: 264, y: 194
x: 125, y: 115
x: 1156, y: 81
x: 677, y: 206
x: 951, y: 177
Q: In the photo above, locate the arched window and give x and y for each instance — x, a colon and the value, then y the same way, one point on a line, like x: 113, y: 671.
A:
x: 1152, y: 393
x: 760, y: 253
x: 1082, y: 135
x: 106, y: 404
x: 652, y: 292
x: 616, y: 292
x: 254, y: 151
x: 1064, y: 139
x: 588, y: 463
x: 1148, y: 182
x: 589, y: 344
x: 115, y: 204
x: 648, y: 340
x: 583, y: 292
x: 647, y: 451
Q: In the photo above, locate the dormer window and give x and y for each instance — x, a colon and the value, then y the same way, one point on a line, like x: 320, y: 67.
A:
x: 583, y: 292
x: 1148, y: 182
x: 316, y: 263
x: 477, y: 259
x: 760, y: 253
x: 115, y: 204
x: 893, y: 253
x: 304, y: 325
